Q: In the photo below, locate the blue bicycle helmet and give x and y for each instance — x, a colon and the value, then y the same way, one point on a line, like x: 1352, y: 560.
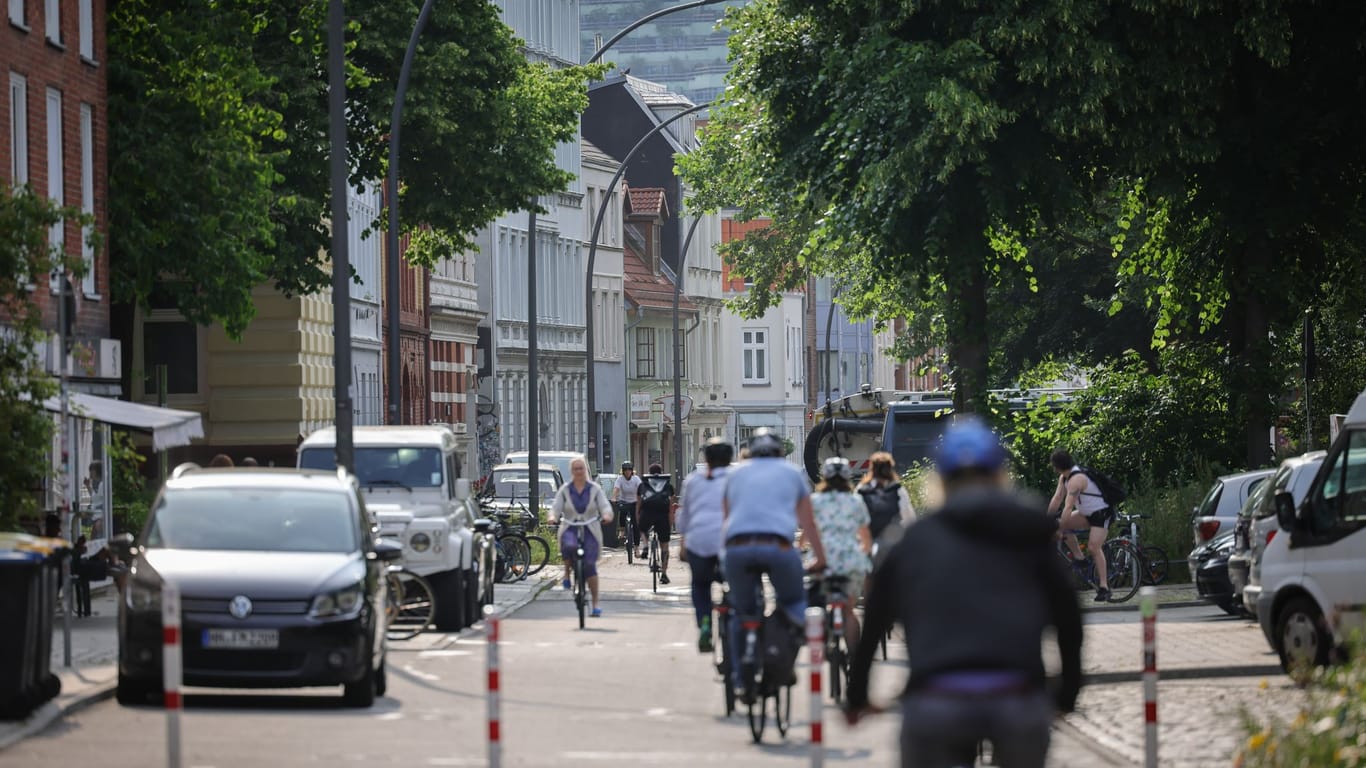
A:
x: 969, y: 445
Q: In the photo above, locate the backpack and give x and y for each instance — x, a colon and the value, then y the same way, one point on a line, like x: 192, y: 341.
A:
x: 780, y: 641
x: 1110, y: 491
x: 654, y: 499
x: 884, y: 506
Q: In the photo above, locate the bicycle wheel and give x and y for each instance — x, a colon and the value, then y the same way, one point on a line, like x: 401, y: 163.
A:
x: 579, y: 587
x: 630, y: 539
x: 835, y: 654
x: 1154, y: 565
x: 539, y: 554
x: 518, y: 555
x: 721, y: 658
x: 1123, y: 569
x: 782, y: 709
x: 758, y: 717
x: 654, y: 561
x: 412, y: 605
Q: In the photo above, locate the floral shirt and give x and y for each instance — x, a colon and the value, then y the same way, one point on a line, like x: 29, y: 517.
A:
x: 839, y: 516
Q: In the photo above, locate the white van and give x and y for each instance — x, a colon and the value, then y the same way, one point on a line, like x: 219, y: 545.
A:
x: 559, y: 459
x: 411, y: 481
x: 1314, y: 592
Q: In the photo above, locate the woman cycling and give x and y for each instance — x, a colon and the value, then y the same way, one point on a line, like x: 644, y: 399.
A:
x: 578, y: 499
x: 886, y: 498
x: 842, y: 519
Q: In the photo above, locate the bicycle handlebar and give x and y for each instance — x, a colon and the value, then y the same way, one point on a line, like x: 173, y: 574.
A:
x: 581, y: 522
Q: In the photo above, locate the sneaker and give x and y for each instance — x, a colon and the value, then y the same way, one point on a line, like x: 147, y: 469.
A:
x: 1102, y: 595
x: 597, y: 613
x: 704, y: 637
x: 663, y: 578
x: 567, y: 585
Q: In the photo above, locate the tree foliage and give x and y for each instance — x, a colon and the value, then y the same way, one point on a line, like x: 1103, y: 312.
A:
x: 25, y: 427
x: 219, y: 138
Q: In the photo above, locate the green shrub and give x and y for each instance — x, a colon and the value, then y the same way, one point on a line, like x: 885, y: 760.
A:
x: 1330, y: 730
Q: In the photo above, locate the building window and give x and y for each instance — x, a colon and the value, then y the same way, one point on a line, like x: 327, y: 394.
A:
x: 88, y: 197
x: 53, y: 19
x: 56, y: 236
x: 86, y: 22
x: 645, y: 353
x: 175, y: 344
x: 755, y: 350
x: 16, y: 13
x: 18, y: 126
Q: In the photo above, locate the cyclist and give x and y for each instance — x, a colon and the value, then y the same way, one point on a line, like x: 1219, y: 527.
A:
x: 655, y: 505
x: 886, y: 498
x: 766, y: 499
x: 1083, y: 509
x: 977, y: 670
x: 699, y: 530
x: 842, y: 518
x: 624, y: 497
x: 578, y: 499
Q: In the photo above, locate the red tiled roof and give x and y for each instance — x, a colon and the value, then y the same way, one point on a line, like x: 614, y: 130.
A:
x: 646, y: 289
x: 647, y: 201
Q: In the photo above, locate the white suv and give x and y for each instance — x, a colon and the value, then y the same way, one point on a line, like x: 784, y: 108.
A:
x: 1314, y: 590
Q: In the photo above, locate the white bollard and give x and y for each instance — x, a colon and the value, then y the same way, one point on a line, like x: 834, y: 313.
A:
x: 815, y: 643
x: 171, y: 669
x: 1148, y: 602
x: 495, y: 735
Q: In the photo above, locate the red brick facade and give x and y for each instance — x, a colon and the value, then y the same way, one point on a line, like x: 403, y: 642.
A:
x: 26, y: 52
x: 414, y: 335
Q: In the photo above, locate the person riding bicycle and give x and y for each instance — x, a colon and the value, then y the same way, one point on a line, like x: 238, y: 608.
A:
x: 699, y: 530
x: 975, y: 655
x: 624, y: 494
x: 655, y: 505
x: 579, y: 499
x: 765, y: 501
x: 842, y: 518
x: 1082, y: 508
x: 885, y: 496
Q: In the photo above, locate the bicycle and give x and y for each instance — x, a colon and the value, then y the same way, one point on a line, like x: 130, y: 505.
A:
x: 1154, y: 558
x: 756, y: 688
x: 653, y: 551
x: 1123, y: 567
x: 410, y: 605
x: 627, y: 529
x: 721, y: 653
x: 575, y: 556
x: 829, y: 590
x: 538, y: 549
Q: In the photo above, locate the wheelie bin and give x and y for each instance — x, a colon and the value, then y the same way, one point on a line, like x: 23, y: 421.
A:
x: 29, y: 569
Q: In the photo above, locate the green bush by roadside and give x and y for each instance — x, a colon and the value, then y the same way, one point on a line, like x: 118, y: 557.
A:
x: 1330, y: 730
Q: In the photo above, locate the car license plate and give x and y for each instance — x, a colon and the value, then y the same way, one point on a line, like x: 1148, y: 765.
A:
x: 241, y: 638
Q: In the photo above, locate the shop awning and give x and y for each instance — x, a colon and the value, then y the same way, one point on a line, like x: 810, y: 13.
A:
x: 170, y: 428
x: 754, y: 420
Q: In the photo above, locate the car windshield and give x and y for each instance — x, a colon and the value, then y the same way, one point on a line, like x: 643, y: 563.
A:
x: 395, y: 466
x: 509, y: 486
x: 254, y: 519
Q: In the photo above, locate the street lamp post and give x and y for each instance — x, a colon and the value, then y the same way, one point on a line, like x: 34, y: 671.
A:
x: 341, y: 263
x: 678, y: 357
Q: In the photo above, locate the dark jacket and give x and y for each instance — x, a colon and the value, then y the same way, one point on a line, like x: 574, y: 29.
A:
x: 974, y: 585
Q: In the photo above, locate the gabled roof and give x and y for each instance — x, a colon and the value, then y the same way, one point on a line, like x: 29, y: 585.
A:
x: 646, y: 289
x: 647, y: 201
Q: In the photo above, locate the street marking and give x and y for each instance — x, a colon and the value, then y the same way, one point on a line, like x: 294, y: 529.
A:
x: 389, y: 716
x: 453, y: 761
x: 426, y: 654
x: 656, y: 712
x: 429, y: 677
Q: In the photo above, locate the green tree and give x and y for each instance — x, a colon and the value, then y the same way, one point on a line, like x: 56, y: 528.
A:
x: 219, y: 125
x: 26, y: 427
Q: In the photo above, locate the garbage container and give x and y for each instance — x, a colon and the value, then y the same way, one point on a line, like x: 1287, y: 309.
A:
x: 29, y: 567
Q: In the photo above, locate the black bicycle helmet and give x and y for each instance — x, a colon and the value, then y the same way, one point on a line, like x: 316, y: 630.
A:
x: 718, y: 452
x: 625, y: 465
x: 763, y: 443
x: 836, y: 466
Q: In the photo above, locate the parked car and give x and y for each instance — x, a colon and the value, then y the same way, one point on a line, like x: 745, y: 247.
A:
x: 411, y: 481
x: 1208, y: 564
x: 1218, y: 511
x: 510, y: 484
x: 1257, y: 527
x: 281, y: 584
x: 1314, y: 589
x: 558, y: 459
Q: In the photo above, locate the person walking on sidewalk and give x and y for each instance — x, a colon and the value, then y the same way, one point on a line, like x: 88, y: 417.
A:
x: 699, y: 530
x: 656, y: 498
x: 977, y: 670
x: 1083, y: 508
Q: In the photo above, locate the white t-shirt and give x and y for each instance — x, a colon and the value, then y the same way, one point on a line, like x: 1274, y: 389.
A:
x: 628, y: 488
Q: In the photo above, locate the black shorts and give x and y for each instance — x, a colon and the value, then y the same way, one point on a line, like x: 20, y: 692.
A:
x: 1101, y: 518
x: 660, y: 522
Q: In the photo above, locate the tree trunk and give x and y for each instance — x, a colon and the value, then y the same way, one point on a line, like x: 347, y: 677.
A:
x: 1252, y: 381
x: 967, y: 331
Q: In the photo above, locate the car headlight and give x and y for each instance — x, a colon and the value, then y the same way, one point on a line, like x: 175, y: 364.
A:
x: 420, y: 542
x: 343, y: 602
x: 143, y: 597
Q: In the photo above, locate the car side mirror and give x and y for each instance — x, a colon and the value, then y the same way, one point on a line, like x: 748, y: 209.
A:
x: 387, y: 550
x: 462, y: 489
x: 1285, y: 511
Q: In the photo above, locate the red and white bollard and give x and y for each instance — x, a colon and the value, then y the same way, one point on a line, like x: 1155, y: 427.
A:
x: 495, y: 736
x: 815, y: 644
x: 171, y: 669
x: 1148, y: 603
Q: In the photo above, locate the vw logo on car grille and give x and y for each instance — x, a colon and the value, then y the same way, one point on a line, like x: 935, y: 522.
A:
x: 240, y: 607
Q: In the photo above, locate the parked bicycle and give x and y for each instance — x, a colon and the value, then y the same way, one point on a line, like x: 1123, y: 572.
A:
x: 410, y: 605
x: 1154, y: 558
x: 1123, y: 567
x: 575, y: 557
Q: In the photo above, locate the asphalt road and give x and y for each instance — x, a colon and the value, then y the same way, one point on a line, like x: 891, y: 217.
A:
x: 631, y: 688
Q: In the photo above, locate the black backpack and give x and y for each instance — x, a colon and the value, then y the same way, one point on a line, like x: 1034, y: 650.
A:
x: 1111, y: 493
x: 884, y: 506
x: 780, y: 641
x: 652, y: 499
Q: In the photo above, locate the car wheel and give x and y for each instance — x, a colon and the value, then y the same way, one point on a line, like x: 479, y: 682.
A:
x: 450, y: 598
x: 472, y: 606
x: 133, y: 692
x: 362, y: 692
x: 1227, y: 605
x: 1302, y: 638
x: 382, y: 679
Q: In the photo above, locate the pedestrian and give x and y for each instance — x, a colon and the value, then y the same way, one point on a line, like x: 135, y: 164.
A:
x: 655, y: 510
x: 842, y: 518
x: 1082, y: 508
x: 624, y: 496
x: 578, y: 500
x: 699, y: 530
x: 976, y: 663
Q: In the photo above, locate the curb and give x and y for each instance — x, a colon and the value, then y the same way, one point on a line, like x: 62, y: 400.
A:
x: 1100, y: 747
x: 1184, y: 673
x: 1133, y: 605
x: 50, y: 712
x: 478, y: 628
